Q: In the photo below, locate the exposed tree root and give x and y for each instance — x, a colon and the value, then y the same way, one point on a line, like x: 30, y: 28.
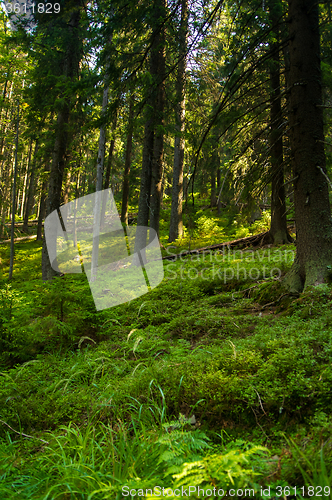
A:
x: 279, y: 299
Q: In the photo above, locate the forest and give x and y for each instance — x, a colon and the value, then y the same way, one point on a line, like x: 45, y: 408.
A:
x: 165, y: 249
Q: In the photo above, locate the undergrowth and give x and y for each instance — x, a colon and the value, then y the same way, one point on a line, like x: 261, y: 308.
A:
x: 215, y: 379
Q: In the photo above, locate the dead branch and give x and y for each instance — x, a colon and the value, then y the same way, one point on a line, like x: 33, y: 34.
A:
x: 22, y: 433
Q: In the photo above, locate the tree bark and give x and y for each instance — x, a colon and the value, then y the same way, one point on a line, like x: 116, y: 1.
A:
x: 55, y: 180
x: 42, y: 210
x: 145, y: 187
x: 98, y: 220
x: 7, y: 168
x: 158, y: 70
x: 12, y: 248
x: 278, y: 231
x: 31, y: 189
x: 25, y: 182
x: 176, y: 223
x: 42, y: 205
x: 71, y: 65
x: 125, y: 188
x: 6, y: 123
x: 311, y: 197
x: 108, y: 170
x: 213, y: 199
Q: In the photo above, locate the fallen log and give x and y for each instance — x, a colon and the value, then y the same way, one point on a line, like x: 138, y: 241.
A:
x: 20, y: 239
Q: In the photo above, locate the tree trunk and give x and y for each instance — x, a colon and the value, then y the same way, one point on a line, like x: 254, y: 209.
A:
x: 25, y: 183
x: 176, y: 224
x: 71, y: 65
x: 158, y: 70
x: 278, y: 231
x: 12, y: 248
x: 4, y: 92
x: 98, y: 222
x: 67, y: 185
x: 6, y: 123
x: 108, y: 171
x: 145, y: 188
x: 125, y: 188
x: 31, y: 190
x: 42, y: 210
x: 218, y: 184
x: 213, y: 199
x: 102, y: 136
x: 311, y: 197
x: 42, y: 205
x: 75, y: 210
x: 55, y: 180
x: 7, y: 168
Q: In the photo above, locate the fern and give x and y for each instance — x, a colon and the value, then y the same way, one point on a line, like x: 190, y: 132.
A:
x: 179, y: 446
x: 232, y: 469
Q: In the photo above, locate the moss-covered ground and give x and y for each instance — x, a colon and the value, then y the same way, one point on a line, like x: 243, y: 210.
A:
x: 216, y: 379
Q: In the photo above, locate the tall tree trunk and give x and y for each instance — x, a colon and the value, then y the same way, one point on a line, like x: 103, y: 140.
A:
x: 25, y: 183
x: 218, y: 204
x: 158, y: 69
x: 102, y: 131
x: 98, y: 222
x: 42, y: 210
x: 75, y: 210
x: 7, y: 168
x: 176, y: 224
x: 11, y: 264
x: 42, y: 206
x: 71, y: 65
x: 55, y: 181
x: 67, y: 184
x: 31, y: 190
x: 278, y: 231
x: 145, y: 187
x: 108, y: 171
x: 311, y: 197
x: 125, y: 188
x: 213, y: 200
x: 6, y: 123
x: 4, y: 92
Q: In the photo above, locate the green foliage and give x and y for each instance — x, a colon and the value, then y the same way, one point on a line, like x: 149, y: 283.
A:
x: 114, y: 393
x: 83, y: 460
x: 208, y: 226
x: 234, y: 469
x: 100, y: 459
x: 12, y: 338
x: 316, y: 473
x: 262, y: 224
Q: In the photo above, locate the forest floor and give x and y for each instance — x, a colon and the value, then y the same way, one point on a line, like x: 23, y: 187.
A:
x: 217, y: 379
